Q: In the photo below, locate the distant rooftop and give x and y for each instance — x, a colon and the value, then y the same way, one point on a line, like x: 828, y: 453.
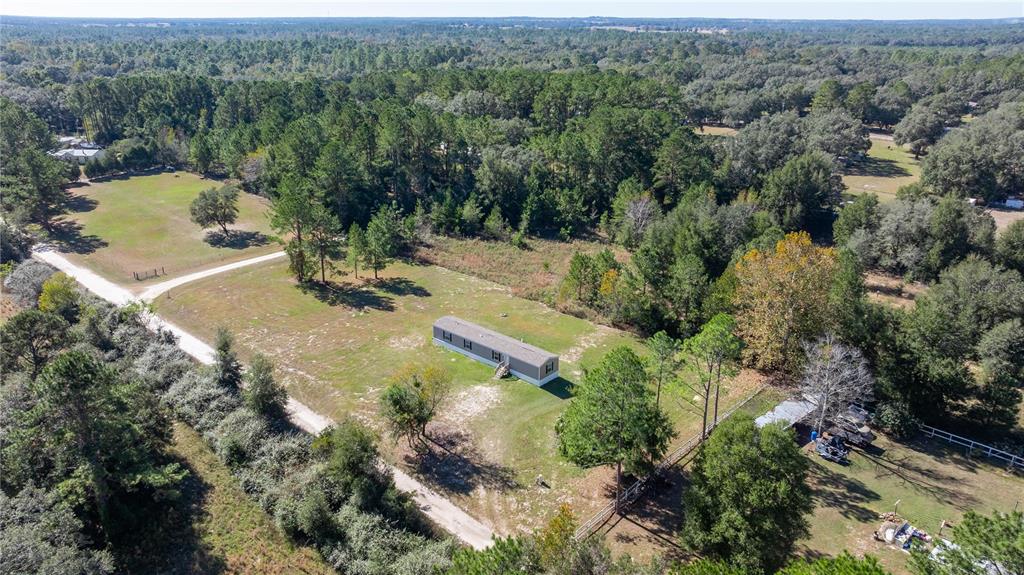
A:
x: 494, y: 340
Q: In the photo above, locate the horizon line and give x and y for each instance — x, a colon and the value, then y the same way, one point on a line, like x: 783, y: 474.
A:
x: 1009, y: 19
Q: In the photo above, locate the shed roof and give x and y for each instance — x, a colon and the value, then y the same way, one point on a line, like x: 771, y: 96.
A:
x: 494, y: 340
x: 789, y: 412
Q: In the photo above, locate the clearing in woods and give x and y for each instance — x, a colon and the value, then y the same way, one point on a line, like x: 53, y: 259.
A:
x: 886, y: 168
x: 133, y: 224
x: 215, y: 527
x: 715, y: 131
x: 337, y: 348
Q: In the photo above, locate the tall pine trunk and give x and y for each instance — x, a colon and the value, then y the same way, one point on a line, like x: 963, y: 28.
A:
x: 323, y: 273
x: 718, y: 387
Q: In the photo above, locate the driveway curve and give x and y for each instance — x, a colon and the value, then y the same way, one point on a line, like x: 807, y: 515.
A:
x: 442, y: 511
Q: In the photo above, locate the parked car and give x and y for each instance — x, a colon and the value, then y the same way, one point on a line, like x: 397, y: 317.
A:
x: 832, y: 448
x: 852, y: 427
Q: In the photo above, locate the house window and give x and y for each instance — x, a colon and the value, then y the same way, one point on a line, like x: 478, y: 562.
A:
x: 496, y: 356
x: 446, y: 335
x: 549, y: 367
x: 467, y: 344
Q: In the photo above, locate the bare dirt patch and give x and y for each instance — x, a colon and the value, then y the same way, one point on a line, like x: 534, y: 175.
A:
x: 471, y: 403
x: 586, y: 341
x: 1004, y: 218
x: 891, y: 290
x: 406, y: 342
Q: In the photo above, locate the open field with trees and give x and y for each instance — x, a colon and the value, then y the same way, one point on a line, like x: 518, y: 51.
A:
x: 532, y: 273
x: 931, y: 480
x: 886, y: 168
x: 337, y: 346
x: 138, y: 223
x: 691, y: 270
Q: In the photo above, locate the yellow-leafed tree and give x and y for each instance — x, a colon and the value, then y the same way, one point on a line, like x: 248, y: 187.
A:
x: 782, y: 298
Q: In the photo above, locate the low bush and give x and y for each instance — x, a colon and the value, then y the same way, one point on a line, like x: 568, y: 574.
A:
x: 896, y: 419
x: 25, y: 282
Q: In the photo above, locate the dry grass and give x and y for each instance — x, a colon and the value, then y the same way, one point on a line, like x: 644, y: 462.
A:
x: 1004, y: 218
x: 532, y: 273
x: 716, y: 131
x: 8, y: 307
x: 883, y: 288
x: 138, y: 223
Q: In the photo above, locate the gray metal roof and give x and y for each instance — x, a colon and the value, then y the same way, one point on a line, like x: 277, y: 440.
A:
x: 494, y: 340
x: 789, y: 412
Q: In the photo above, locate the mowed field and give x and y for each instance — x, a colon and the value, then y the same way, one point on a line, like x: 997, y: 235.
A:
x: 930, y: 480
x: 215, y: 527
x: 336, y: 349
x: 133, y: 224
x: 886, y: 168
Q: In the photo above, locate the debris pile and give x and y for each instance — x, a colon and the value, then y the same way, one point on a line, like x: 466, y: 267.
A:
x: 895, y: 530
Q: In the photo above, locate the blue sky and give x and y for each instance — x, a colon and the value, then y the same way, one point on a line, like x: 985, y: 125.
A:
x: 796, y: 9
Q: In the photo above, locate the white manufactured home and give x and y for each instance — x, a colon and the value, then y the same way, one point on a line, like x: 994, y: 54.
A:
x: 527, y: 362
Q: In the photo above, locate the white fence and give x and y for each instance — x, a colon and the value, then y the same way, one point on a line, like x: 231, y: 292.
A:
x: 972, y: 446
x: 634, y: 491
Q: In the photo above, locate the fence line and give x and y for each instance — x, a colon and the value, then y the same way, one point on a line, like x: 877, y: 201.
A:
x: 971, y: 445
x: 634, y: 491
x: 145, y: 275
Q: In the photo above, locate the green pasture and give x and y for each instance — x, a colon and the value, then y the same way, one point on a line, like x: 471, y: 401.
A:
x: 886, y: 168
x: 336, y: 347
x: 926, y: 482
x: 138, y: 223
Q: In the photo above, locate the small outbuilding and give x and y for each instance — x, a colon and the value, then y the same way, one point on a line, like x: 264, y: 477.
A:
x: 78, y: 155
x: 525, y: 361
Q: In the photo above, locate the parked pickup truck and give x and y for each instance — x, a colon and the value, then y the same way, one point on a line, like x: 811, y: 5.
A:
x: 852, y: 427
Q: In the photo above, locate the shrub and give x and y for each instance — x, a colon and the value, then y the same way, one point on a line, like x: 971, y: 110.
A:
x: 896, y: 419
x: 519, y: 241
x: 261, y: 393
x: 372, y: 547
x: 238, y: 437
x: 200, y: 401
x: 161, y: 364
x: 25, y: 282
x: 15, y: 244
x: 495, y: 226
x: 40, y: 534
x: 60, y: 296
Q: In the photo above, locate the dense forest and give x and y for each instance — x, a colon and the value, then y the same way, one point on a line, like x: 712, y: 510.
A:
x: 391, y: 131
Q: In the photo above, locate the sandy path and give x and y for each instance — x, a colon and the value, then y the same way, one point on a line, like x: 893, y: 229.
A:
x: 440, y: 510
x: 155, y: 290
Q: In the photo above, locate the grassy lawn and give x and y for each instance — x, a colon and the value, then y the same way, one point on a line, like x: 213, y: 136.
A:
x: 216, y: 528
x: 886, y: 168
x: 137, y: 223
x: 931, y: 481
x: 336, y: 349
